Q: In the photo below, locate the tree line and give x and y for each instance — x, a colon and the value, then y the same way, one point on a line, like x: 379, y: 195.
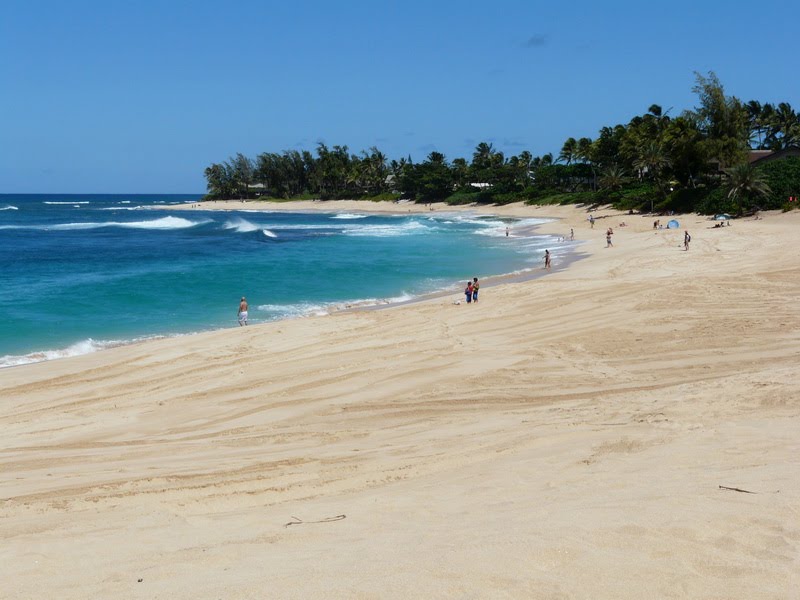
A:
x: 697, y: 160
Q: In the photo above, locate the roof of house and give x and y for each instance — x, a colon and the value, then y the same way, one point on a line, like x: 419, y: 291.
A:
x: 769, y: 155
x: 755, y: 155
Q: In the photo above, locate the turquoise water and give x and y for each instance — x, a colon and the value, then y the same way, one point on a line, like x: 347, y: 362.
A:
x: 84, y: 272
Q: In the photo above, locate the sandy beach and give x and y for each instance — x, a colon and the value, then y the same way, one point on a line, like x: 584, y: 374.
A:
x: 623, y: 428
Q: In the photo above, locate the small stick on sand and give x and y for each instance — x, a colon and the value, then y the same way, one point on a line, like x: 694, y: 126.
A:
x: 328, y: 520
x: 723, y: 487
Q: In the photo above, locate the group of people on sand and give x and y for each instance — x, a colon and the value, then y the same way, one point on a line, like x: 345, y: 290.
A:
x: 471, y: 291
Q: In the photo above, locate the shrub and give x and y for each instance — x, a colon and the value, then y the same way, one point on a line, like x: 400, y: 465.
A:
x: 463, y: 198
x: 684, y: 200
x: 715, y: 202
x: 783, y: 178
x: 634, y: 197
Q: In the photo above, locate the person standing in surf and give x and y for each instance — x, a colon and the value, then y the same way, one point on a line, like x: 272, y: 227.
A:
x: 242, y: 314
x: 547, y: 259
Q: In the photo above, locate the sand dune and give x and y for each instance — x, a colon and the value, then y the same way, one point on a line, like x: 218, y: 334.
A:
x: 566, y: 437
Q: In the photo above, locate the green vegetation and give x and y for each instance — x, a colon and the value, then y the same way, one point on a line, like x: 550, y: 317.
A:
x: 697, y: 161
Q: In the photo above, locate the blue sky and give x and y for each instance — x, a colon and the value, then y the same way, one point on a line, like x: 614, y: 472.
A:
x: 140, y: 97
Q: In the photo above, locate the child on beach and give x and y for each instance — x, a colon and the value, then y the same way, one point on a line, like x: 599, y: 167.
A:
x: 475, y: 287
x: 468, y: 292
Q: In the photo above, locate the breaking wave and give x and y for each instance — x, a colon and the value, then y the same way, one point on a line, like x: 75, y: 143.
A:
x: 348, y: 216
x: 240, y: 225
x: 163, y: 223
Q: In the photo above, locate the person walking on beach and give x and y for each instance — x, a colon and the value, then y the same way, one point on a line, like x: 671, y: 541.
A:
x: 591, y: 221
x: 242, y: 312
x: 468, y: 292
x: 547, y: 259
x: 608, y: 239
x: 475, y: 287
x: 571, y: 234
x: 686, y: 239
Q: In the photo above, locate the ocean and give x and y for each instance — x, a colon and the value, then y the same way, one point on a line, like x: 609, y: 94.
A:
x: 79, y: 273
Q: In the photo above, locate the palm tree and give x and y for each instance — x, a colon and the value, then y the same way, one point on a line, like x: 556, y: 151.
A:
x: 786, y: 124
x: 754, y: 111
x: 745, y: 185
x: 614, y: 177
x: 483, y: 155
x: 569, y: 150
x: 524, y: 166
x: 652, y: 162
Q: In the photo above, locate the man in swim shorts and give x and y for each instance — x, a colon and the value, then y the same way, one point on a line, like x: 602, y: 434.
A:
x: 243, y: 312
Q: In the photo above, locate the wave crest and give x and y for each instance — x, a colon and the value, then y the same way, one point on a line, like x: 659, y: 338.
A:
x: 348, y: 216
x: 240, y: 225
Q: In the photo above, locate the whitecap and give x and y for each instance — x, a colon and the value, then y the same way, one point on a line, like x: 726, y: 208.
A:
x: 240, y: 225
x: 122, y: 208
x: 163, y: 223
x: 54, y: 202
x: 348, y: 216
x: 9, y: 207
x: 410, y: 228
x: 268, y: 233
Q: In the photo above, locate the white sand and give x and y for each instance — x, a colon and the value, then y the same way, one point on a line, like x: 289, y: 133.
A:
x: 564, y: 438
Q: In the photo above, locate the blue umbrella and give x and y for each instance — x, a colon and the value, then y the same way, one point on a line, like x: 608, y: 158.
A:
x: 673, y: 224
x: 722, y: 217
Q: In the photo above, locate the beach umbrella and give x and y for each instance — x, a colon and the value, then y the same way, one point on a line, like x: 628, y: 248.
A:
x: 673, y: 224
x: 722, y: 217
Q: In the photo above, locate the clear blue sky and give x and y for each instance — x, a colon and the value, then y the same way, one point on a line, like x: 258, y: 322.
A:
x: 113, y: 96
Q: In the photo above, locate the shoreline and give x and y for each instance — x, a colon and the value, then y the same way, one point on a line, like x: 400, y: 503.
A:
x: 575, y: 436
x: 92, y: 346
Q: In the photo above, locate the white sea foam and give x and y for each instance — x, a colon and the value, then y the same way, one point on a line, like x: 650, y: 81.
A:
x: 9, y: 207
x: 348, y: 216
x: 122, y: 208
x: 73, y: 203
x: 268, y: 233
x: 240, y: 225
x: 163, y: 223
x: 310, y: 309
x: 84, y: 347
x: 409, y: 228
x: 124, y: 201
x: 301, y: 309
x: 299, y: 226
x: 87, y: 346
